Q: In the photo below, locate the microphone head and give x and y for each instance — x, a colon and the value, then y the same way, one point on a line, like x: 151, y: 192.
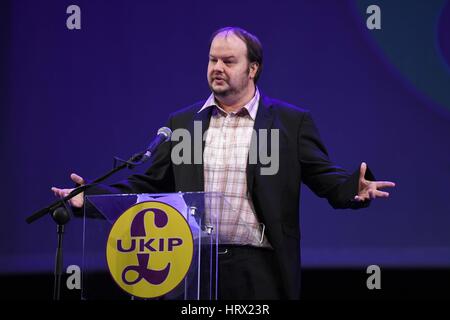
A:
x: 61, y: 216
x: 166, y: 132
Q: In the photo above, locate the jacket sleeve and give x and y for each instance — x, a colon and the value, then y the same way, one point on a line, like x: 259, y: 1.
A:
x: 323, y: 177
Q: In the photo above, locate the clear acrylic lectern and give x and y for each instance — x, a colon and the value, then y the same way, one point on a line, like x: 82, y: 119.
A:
x: 200, y: 210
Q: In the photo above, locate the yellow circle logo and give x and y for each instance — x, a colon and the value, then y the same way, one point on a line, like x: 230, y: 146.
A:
x: 149, y: 249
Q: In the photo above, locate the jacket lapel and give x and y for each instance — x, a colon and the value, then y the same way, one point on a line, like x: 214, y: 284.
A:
x: 264, y: 119
x: 202, y: 117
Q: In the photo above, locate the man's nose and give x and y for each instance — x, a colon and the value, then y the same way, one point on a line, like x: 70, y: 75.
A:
x: 218, y: 66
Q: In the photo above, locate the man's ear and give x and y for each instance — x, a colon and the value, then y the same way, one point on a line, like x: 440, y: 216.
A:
x: 253, y: 69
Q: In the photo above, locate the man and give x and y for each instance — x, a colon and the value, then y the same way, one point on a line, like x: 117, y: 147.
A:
x: 263, y: 260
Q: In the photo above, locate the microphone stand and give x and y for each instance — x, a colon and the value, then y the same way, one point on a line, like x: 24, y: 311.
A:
x: 130, y: 164
x: 61, y: 216
x: 61, y: 213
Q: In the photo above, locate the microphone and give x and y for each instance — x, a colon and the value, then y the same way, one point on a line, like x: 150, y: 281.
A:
x: 163, y: 135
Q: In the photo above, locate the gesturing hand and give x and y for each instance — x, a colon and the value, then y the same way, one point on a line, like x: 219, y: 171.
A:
x: 371, y: 189
x: 76, y: 201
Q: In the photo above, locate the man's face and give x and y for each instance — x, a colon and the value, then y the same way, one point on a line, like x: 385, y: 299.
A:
x: 228, y: 68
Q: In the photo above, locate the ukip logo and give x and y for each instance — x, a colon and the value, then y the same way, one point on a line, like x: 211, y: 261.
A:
x: 149, y: 249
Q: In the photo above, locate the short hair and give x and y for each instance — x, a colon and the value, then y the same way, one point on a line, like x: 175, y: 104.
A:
x: 254, y: 47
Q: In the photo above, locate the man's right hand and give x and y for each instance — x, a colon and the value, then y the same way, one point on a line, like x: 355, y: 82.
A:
x: 76, y: 201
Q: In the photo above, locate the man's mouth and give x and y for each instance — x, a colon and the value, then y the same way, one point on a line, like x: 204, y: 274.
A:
x: 218, y: 78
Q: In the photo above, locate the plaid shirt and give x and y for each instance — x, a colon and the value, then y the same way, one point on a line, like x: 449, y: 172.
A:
x: 225, y: 162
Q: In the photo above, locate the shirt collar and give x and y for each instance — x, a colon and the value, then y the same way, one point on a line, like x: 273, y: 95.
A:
x: 251, y: 106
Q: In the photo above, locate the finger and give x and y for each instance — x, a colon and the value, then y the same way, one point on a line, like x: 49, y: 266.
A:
x: 384, y: 184
x: 378, y: 194
x: 77, y: 179
x: 59, y: 194
x: 362, y: 170
x: 360, y: 198
x: 63, y: 192
x: 56, y: 191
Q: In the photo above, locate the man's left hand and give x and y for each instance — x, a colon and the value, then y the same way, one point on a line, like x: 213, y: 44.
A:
x: 369, y: 190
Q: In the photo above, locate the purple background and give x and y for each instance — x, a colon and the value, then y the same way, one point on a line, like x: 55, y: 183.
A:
x: 70, y: 100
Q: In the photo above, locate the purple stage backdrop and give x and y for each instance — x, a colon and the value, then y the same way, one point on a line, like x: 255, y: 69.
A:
x: 72, y: 99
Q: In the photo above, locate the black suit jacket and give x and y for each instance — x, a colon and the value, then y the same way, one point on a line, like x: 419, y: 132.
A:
x: 303, y: 158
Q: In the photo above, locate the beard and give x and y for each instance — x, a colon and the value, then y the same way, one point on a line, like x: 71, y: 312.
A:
x: 222, y: 90
x: 225, y: 89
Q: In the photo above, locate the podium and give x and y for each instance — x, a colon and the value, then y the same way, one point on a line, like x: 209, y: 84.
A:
x: 133, y: 244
